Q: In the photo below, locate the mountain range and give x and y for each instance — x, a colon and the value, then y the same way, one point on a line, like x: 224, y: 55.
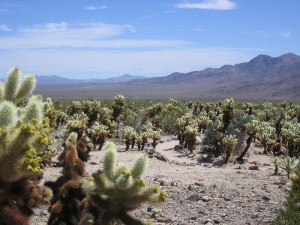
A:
x: 54, y: 79
x: 262, y: 78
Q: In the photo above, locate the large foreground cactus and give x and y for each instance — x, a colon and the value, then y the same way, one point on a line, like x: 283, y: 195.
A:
x: 24, y: 146
x: 118, y: 189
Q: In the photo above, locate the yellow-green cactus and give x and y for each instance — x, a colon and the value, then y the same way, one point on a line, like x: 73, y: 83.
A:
x: 229, y: 143
x: 15, y: 88
x: 23, y: 147
x: 119, y: 189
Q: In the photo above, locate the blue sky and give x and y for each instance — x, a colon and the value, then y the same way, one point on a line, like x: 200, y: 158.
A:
x: 105, y: 38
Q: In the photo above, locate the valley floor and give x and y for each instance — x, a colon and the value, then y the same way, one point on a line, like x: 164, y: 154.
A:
x: 200, y: 192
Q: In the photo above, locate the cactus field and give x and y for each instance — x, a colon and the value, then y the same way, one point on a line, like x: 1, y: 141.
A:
x: 129, y: 162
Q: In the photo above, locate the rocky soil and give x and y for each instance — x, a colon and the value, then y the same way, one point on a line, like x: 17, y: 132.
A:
x: 200, y: 191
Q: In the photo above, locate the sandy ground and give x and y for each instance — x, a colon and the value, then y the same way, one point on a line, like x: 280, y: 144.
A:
x: 200, y: 192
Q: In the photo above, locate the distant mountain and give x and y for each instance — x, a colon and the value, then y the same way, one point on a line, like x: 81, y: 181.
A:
x: 260, y: 68
x: 262, y: 78
x: 124, y: 78
x: 54, y: 79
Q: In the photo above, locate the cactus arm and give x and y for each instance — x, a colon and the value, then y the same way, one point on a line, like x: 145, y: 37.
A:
x: 12, y: 83
x: 26, y: 88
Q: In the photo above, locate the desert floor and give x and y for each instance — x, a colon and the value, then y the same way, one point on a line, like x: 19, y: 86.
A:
x: 200, y: 191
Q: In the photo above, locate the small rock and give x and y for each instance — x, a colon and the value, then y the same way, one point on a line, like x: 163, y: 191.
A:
x: 205, y: 198
x: 193, y: 217
x: 161, y: 157
x: 217, y: 220
x: 254, y: 216
x: 266, y: 198
x: 194, y: 198
x: 226, y: 198
x: 178, y: 147
x: 241, y: 167
x: 164, y: 220
x: 199, y: 184
x: 162, y: 183
x: 256, y: 167
x: 191, y: 187
x: 202, y: 212
x: 149, y: 209
x: 174, y: 184
x: 208, y: 165
x: 254, y: 162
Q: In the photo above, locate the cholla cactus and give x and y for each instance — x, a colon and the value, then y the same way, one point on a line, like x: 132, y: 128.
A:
x: 267, y: 136
x: 104, y: 115
x: 83, y: 142
x: 288, y: 164
x: 74, y: 108
x: 228, y: 116
x: 78, y: 126
x: 191, y: 136
x: 214, y: 137
x: 229, y: 143
x: 80, y: 116
x: 295, y: 177
x: 203, y: 122
x: 291, y: 136
x: 276, y: 162
x: 130, y: 135
x: 118, y: 189
x: 180, y: 125
x: 155, y: 135
x: 99, y: 133
x: 24, y: 147
x: 67, y: 191
x: 143, y: 139
x: 118, y: 106
x: 252, y: 128
x: 23, y: 135
x: 15, y: 88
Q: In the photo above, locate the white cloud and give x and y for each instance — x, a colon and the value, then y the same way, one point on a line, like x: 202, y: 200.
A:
x: 92, y: 8
x: 5, y: 28
x: 209, y: 4
x: 89, y: 35
x: 49, y: 27
x: 285, y: 34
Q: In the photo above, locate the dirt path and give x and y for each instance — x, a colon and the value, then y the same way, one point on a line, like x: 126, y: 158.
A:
x: 201, y: 193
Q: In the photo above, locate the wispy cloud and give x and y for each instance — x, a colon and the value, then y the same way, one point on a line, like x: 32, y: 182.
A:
x: 97, y: 49
x: 85, y: 35
x: 285, y: 34
x: 5, y: 28
x: 262, y: 33
x: 11, y: 8
x: 45, y: 28
x: 92, y: 8
x: 198, y: 30
x: 209, y: 4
